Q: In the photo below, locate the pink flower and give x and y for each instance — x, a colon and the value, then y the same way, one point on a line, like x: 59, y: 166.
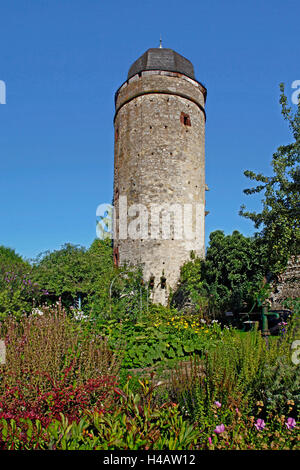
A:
x: 237, y: 410
x: 219, y: 429
x: 291, y: 423
x: 210, y: 441
x: 260, y: 424
x: 218, y: 404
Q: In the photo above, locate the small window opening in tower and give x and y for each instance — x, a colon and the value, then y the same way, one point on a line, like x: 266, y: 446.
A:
x: 151, y: 282
x: 116, y: 134
x: 185, y: 119
x: 163, y: 282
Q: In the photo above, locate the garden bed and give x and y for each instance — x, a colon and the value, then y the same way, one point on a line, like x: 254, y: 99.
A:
x: 68, y: 386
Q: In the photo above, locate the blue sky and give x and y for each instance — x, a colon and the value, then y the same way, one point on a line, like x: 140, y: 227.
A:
x: 63, y: 60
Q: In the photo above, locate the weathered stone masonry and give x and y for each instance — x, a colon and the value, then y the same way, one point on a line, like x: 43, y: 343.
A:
x: 160, y: 159
x: 287, y: 285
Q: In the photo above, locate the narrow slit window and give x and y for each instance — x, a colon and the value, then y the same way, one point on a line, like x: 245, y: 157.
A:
x: 116, y: 256
x: 163, y: 282
x: 185, y: 119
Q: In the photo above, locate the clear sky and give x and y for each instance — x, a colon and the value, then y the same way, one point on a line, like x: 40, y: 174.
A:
x: 63, y: 60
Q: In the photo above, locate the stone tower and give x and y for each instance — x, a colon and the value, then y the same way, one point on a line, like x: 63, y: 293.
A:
x: 159, y: 173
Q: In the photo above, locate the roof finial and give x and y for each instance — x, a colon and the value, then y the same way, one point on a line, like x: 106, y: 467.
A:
x: 160, y: 43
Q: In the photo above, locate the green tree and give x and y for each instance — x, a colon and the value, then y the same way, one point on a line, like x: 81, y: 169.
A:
x: 8, y: 257
x: 233, y: 270
x: 74, y: 272
x: 230, y: 276
x: 17, y: 290
x: 279, y: 219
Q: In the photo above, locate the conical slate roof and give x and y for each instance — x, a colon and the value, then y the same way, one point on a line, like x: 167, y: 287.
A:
x: 162, y: 59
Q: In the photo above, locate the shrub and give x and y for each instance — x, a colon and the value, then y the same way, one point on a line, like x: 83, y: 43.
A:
x: 242, y: 369
x: 52, y: 367
x: 227, y: 279
x: 136, y: 424
x: 22, y: 402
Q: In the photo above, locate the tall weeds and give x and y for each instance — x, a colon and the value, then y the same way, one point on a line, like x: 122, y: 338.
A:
x: 54, y: 347
x: 237, y: 372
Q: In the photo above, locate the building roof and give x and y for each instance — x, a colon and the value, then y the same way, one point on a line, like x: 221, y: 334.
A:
x: 162, y: 59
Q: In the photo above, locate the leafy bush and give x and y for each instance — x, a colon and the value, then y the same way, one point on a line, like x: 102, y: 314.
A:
x: 24, y: 401
x: 74, y: 272
x: 18, y: 291
x: 242, y: 369
x: 228, y: 279
x: 87, y: 282
x: 54, y: 366
x: 138, y: 424
x: 152, y: 341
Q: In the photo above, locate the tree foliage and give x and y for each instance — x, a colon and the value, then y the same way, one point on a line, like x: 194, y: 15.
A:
x: 230, y: 276
x: 8, y: 257
x: 17, y: 291
x: 74, y: 273
x: 279, y: 218
x: 234, y: 269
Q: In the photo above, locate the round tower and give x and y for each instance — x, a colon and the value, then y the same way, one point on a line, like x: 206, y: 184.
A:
x: 159, y: 173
